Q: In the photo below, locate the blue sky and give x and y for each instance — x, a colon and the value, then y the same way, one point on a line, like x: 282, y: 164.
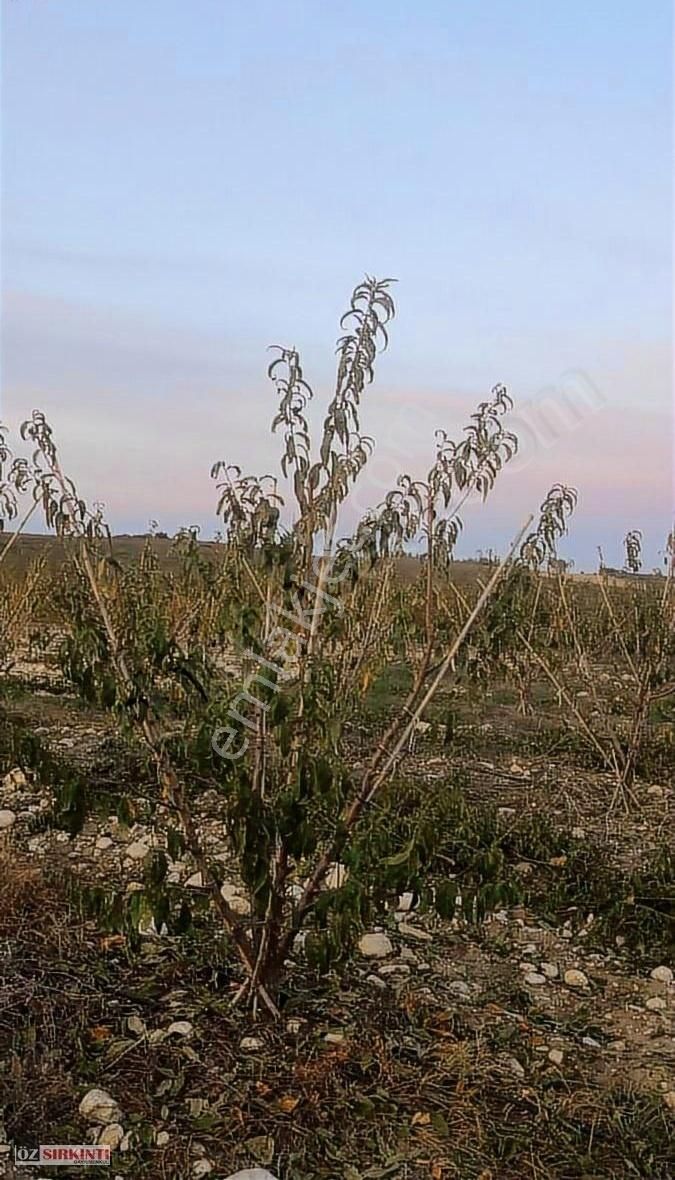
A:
x: 185, y: 183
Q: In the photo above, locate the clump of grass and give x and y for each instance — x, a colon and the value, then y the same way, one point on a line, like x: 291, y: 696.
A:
x: 47, y: 998
x: 638, y: 907
x: 26, y: 900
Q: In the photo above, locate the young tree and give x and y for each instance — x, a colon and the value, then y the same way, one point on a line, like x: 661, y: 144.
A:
x: 305, y: 609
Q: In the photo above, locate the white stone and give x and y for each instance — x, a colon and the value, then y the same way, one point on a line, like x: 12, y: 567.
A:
x: 15, y: 779
x: 103, y: 843
x: 556, y: 1056
x: 334, y: 1038
x: 662, y: 974
x: 414, y: 932
x: 550, y: 970
x: 136, y: 1026
x: 98, y: 1106
x: 459, y: 988
x: 375, y: 946
x: 656, y: 1004
x: 252, y: 1174
x: 202, y: 1167
x: 515, y: 1067
x: 575, y: 978
x: 388, y: 969
x: 248, y: 1043
x: 240, y: 905
x: 180, y: 1028
x: 376, y: 981
x: 137, y: 850
x: 112, y: 1135
x: 162, y: 1138
x: 236, y: 900
x: 406, y: 903
x: 535, y: 979
x: 7, y: 819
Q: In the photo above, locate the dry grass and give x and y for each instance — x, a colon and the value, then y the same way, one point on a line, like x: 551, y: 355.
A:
x: 45, y: 998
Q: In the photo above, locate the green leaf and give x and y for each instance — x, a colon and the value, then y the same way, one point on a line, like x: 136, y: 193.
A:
x: 440, y: 1125
x: 401, y: 858
x: 446, y: 898
x: 157, y: 868
x: 125, y: 812
x: 175, y: 843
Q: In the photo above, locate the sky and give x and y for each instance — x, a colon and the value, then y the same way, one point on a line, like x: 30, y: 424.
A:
x: 184, y: 184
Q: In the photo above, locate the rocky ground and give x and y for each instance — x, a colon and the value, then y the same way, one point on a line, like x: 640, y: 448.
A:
x: 515, y: 1049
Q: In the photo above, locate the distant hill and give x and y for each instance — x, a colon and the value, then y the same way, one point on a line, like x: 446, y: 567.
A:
x: 126, y: 547
x: 30, y: 546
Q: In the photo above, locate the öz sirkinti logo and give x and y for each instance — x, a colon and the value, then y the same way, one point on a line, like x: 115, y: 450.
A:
x: 55, y: 1154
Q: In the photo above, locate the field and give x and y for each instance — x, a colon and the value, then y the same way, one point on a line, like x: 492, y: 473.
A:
x: 460, y: 1052
x: 325, y: 858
